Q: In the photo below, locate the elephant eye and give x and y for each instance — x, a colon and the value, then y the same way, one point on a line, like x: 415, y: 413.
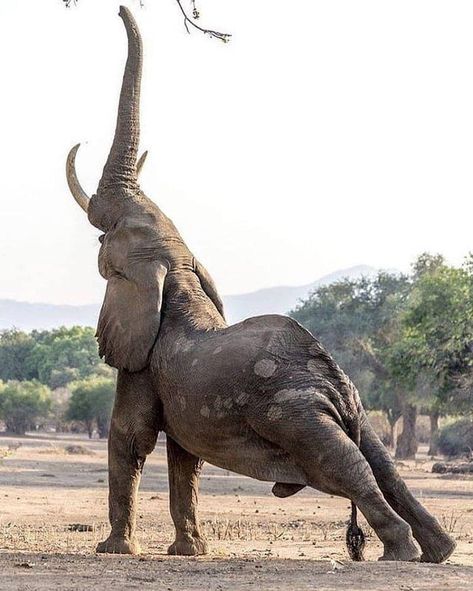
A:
x: 101, y: 238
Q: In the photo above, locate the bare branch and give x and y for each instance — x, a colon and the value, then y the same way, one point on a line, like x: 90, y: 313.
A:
x: 225, y: 37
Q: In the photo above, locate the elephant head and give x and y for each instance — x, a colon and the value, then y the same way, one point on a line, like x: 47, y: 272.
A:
x: 140, y: 244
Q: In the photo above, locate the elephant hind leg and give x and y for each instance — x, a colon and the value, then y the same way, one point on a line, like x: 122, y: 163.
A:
x: 335, y: 465
x: 434, y: 541
x: 184, y: 472
x: 283, y: 490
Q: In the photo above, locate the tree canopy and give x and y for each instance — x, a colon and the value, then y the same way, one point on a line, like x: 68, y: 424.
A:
x: 406, y: 340
x: 22, y: 403
x: 54, y: 357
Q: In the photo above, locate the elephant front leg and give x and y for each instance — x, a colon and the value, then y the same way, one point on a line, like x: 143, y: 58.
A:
x: 124, y: 479
x: 184, y: 471
x: 133, y: 434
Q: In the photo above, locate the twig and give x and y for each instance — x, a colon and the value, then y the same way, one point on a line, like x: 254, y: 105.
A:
x: 225, y: 37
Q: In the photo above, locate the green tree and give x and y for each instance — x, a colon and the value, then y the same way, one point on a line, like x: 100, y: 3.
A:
x: 15, y: 350
x: 63, y: 355
x: 22, y: 404
x: 91, y: 402
x: 434, y: 351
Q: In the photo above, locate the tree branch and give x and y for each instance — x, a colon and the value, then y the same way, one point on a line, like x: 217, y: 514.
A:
x: 225, y: 37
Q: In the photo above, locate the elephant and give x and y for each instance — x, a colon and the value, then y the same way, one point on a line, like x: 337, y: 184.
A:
x: 261, y: 398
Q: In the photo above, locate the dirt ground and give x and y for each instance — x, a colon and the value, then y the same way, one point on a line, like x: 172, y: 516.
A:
x: 54, y: 511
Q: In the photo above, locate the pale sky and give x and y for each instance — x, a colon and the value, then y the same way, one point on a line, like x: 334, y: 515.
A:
x: 326, y: 134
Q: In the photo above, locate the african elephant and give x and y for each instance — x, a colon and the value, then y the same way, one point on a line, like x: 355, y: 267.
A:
x: 261, y: 398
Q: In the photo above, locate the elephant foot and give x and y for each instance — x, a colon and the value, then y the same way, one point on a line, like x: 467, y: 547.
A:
x: 118, y: 545
x: 401, y: 552
x: 438, y: 550
x: 188, y: 546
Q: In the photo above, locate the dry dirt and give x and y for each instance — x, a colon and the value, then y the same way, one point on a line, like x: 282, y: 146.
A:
x: 49, y: 497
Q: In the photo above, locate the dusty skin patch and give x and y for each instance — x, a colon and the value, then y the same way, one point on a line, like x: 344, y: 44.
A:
x: 217, y: 350
x: 265, y: 368
x: 313, y: 367
x: 274, y: 413
x: 194, y: 362
x: 205, y: 411
x: 182, y: 401
x: 293, y: 394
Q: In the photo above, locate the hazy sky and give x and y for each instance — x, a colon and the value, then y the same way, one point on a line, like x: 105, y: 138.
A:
x: 326, y: 134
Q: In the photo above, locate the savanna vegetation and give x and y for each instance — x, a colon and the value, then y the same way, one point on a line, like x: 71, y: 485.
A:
x: 407, y: 343
x: 54, y: 379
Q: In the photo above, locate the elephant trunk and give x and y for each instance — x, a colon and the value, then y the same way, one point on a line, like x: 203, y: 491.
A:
x: 120, y: 170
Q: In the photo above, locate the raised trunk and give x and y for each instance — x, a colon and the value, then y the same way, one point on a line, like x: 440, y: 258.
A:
x: 434, y: 430
x: 406, y: 442
x: 120, y: 168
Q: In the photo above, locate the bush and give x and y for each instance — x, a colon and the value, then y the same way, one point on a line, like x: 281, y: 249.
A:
x: 91, y: 402
x: 456, y: 438
x: 22, y: 403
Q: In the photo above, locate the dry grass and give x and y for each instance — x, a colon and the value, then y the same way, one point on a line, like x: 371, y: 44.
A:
x: 51, y: 538
x: 251, y: 530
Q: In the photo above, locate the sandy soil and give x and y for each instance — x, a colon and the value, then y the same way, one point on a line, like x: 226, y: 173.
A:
x: 49, y: 497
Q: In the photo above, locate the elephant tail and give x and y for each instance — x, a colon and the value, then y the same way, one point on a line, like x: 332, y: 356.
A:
x: 355, y: 538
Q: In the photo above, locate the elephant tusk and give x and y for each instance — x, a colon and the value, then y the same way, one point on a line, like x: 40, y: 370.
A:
x: 140, y: 163
x: 75, y: 187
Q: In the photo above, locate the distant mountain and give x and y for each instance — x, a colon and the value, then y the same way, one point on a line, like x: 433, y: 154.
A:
x: 282, y: 299
x: 27, y: 316
x: 272, y: 300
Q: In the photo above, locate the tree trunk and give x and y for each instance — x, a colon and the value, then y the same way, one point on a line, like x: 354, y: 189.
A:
x: 434, y: 430
x: 391, y: 442
x: 16, y: 426
x: 103, y: 428
x: 90, y: 428
x: 407, y: 443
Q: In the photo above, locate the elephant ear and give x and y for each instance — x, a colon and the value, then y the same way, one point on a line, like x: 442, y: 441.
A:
x: 130, y: 316
x: 209, y: 287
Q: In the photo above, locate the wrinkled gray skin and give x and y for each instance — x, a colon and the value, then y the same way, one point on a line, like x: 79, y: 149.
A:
x: 260, y: 398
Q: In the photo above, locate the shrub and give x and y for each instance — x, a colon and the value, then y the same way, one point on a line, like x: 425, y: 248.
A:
x: 457, y: 438
x: 22, y: 403
x: 91, y: 402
